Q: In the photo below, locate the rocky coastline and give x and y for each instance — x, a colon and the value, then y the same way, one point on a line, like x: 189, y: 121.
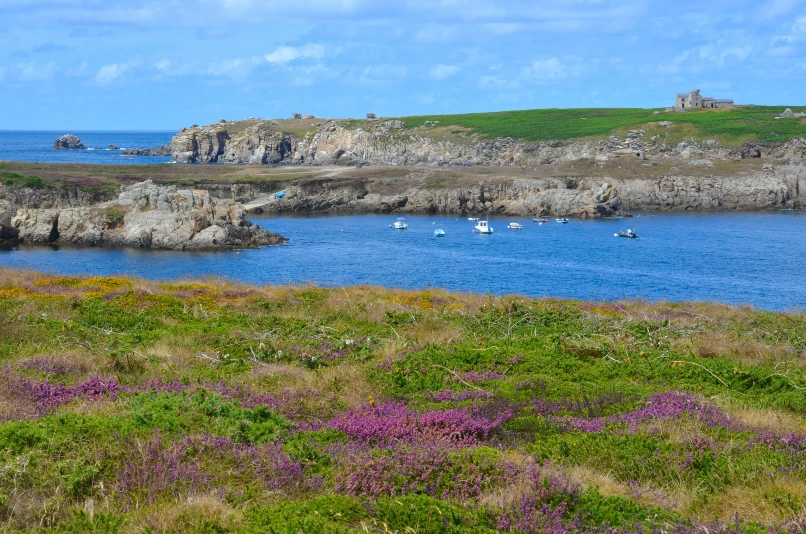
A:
x: 584, y: 197
x: 143, y: 215
x: 334, y: 142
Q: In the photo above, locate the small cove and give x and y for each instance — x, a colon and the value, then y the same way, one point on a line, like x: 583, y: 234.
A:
x: 736, y: 258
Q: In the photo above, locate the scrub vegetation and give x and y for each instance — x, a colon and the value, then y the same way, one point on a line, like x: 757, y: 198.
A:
x: 207, y: 406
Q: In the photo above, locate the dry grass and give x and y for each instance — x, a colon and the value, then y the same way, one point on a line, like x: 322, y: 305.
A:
x: 713, y: 344
x: 189, y: 514
x: 346, y: 384
x: 767, y: 501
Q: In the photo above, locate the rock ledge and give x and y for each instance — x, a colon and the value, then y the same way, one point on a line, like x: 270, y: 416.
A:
x: 146, y: 215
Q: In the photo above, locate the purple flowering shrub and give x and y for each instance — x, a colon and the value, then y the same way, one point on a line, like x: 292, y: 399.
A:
x: 158, y: 467
x: 540, y: 501
x: 395, y: 422
x: 433, y: 470
x: 659, y: 407
x: 38, y: 398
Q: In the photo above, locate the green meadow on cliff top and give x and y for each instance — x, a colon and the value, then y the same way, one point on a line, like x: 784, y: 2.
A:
x: 206, y: 406
x: 729, y: 126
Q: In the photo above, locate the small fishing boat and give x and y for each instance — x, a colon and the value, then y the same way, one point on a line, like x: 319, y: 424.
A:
x: 539, y: 220
x: 561, y: 220
x: 515, y: 226
x: 472, y: 218
x: 483, y: 228
x: 439, y: 233
x: 629, y: 233
x: 399, y: 224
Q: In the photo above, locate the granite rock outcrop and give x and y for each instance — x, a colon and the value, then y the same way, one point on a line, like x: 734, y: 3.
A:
x: 777, y: 187
x: 146, y: 215
x: 391, y: 143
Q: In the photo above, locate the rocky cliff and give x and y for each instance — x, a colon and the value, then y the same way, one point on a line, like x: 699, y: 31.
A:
x: 143, y: 215
x: 390, y: 143
x: 776, y: 188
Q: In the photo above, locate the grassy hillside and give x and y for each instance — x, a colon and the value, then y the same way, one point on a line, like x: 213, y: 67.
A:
x: 202, y: 406
x: 729, y: 126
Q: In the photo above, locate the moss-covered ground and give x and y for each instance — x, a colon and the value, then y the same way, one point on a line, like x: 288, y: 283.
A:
x: 207, y: 406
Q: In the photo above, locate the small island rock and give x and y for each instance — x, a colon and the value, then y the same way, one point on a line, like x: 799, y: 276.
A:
x: 68, y: 142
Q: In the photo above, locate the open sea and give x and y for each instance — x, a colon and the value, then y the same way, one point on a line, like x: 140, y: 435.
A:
x: 37, y: 146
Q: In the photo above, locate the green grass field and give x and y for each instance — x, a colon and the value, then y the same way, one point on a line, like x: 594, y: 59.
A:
x: 729, y: 126
x: 205, y: 406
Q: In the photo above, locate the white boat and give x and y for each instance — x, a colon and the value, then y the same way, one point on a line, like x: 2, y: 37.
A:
x: 629, y: 233
x: 515, y: 226
x: 561, y: 220
x: 439, y: 233
x: 400, y: 224
x: 483, y: 228
x: 472, y: 218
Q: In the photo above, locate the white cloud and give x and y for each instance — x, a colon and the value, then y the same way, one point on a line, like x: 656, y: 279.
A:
x: 112, y: 72
x: 494, y: 82
x: 383, y: 72
x: 284, y: 54
x: 34, y: 72
x: 674, y: 66
x: 436, y: 33
x: 776, y: 8
x: 545, y: 70
x: 716, y: 54
x: 82, y: 71
x: 167, y: 67
x: 442, y: 71
x: 234, y: 68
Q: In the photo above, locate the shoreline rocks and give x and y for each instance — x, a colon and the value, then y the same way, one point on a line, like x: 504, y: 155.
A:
x: 145, y: 215
x: 68, y: 142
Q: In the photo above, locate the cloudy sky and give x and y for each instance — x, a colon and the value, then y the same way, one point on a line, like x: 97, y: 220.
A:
x: 162, y: 64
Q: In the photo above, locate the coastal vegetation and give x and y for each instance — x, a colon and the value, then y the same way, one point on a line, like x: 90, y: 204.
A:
x: 729, y: 126
x: 135, y: 406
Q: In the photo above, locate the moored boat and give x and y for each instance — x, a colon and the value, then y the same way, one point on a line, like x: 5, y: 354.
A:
x: 515, y: 226
x: 561, y: 220
x: 483, y: 228
x: 629, y: 233
x: 400, y: 224
x: 439, y: 232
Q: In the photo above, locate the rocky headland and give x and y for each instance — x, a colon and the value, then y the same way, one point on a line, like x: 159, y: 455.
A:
x: 389, y: 142
x: 143, y: 215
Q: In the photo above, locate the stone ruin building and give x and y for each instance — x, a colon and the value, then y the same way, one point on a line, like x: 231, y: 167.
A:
x: 693, y: 100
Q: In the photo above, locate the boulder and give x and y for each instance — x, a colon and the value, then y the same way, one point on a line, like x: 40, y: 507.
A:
x: 68, y: 142
x: 307, y: 117
x: 371, y: 116
x: 295, y: 116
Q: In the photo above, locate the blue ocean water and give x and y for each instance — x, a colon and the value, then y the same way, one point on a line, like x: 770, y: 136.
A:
x: 737, y: 258
x: 37, y: 147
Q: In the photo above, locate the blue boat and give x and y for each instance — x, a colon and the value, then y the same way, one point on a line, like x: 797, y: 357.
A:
x: 439, y: 233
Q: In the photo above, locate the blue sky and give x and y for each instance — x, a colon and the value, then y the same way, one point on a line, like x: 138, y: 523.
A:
x: 163, y: 64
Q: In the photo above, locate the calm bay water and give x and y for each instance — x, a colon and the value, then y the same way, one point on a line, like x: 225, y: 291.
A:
x: 37, y: 147
x: 738, y: 258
